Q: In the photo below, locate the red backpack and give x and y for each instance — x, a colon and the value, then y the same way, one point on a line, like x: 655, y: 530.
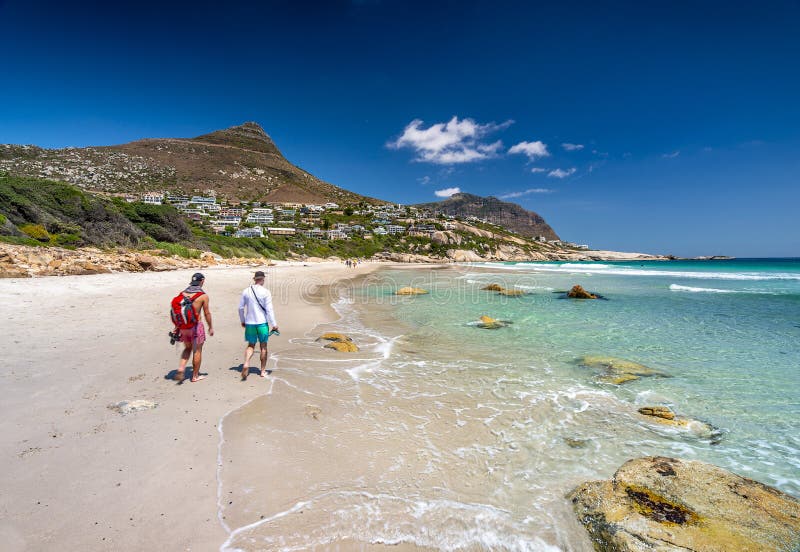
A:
x: 182, y: 312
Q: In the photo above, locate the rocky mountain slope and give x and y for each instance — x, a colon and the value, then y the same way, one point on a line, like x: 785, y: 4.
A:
x: 240, y: 162
x: 502, y: 213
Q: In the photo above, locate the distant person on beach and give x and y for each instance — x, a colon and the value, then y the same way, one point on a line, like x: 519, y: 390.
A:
x: 193, y: 338
x: 258, y: 320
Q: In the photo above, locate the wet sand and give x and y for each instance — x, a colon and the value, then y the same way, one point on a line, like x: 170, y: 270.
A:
x: 78, y: 475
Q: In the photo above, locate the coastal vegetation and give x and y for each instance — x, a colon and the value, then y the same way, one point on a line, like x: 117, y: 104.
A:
x: 42, y: 212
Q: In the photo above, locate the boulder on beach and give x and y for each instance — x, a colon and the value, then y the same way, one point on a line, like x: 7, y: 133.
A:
x: 577, y: 292
x: 493, y: 287
x: 618, y: 370
x: 663, y: 504
x: 339, y: 342
x: 334, y: 336
x: 343, y: 346
x: 411, y: 291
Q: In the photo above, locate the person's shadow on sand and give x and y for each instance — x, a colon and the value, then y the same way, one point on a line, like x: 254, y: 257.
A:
x: 252, y: 370
x: 188, y: 374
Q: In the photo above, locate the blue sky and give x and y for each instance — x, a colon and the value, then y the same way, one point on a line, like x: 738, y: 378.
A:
x: 681, y: 119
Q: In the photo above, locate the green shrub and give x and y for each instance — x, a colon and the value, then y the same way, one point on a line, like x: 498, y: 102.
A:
x: 35, y: 231
x: 67, y: 240
x: 19, y: 240
x: 3, y: 219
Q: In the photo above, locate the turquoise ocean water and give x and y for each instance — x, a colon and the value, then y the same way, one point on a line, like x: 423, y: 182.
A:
x: 456, y: 437
x: 727, y: 333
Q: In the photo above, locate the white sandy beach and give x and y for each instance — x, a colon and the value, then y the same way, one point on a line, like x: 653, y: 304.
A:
x: 80, y: 476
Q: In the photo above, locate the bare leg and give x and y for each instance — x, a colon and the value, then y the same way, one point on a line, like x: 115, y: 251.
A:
x: 197, y: 359
x: 248, y: 353
x: 263, y: 360
x: 185, y: 354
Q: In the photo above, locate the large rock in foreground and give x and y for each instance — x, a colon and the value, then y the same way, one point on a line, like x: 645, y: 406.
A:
x: 665, y: 504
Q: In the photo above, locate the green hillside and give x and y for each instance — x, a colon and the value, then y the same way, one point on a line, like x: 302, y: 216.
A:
x: 40, y: 212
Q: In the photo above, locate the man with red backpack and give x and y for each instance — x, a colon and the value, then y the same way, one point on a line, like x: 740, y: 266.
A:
x: 185, y: 314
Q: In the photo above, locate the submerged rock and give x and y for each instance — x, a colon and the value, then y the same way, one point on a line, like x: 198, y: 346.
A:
x: 493, y: 287
x: 126, y: 407
x: 511, y: 292
x: 411, y: 291
x: 619, y: 370
x: 574, y: 442
x: 663, y: 504
x: 577, y: 292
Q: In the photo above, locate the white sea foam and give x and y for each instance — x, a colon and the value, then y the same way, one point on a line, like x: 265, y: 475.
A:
x: 482, y: 525
x: 545, y: 288
x: 690, y: 289
x: 583, y: 266
x: 572, y: 268
x: 676, y: 287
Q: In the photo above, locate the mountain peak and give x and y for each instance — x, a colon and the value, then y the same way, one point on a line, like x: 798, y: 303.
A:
x: 247, y: 136
x: 503, y: 213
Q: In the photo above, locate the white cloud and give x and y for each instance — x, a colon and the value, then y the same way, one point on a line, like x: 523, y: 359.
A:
x: 672, y: 155
x: 561, y: 173
x: 447, y: 192
x: 533, y: 150
x: 538, y: 170
x: 572, y: 147
x: 529, y: 191
x: 451, y: 142
x: 425, y: 180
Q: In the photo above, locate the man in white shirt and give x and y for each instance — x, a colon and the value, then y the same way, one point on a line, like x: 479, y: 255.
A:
x: 255, y: 313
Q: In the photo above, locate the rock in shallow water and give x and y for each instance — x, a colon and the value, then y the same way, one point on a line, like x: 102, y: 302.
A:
x: 411, y: 291
x: 489, y: 323
x: 511, y: 292
x: 665, y: 416
x: 664, y: 504
x: 577, y: 292
x: 619, y: 370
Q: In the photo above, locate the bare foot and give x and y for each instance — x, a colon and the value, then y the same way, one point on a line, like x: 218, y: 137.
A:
x: 245, y: 371
x: 178, y: 377
x: 263, y: 373
x: 198, y: 378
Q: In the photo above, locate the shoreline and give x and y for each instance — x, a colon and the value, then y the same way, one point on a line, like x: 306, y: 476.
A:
x: 22, y: 261
x: 270, y: 457
x: 106, y: 480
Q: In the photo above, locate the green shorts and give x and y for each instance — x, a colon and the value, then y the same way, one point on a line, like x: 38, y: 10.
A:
x: 256, y: 332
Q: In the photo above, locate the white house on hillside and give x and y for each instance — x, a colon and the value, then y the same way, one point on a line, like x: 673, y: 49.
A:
x: 152, y: 198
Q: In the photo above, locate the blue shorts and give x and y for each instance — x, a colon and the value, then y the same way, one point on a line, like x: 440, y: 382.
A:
x: 256, y: 332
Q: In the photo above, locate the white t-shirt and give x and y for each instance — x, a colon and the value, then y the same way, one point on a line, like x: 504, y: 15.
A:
x: 250, y: 306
